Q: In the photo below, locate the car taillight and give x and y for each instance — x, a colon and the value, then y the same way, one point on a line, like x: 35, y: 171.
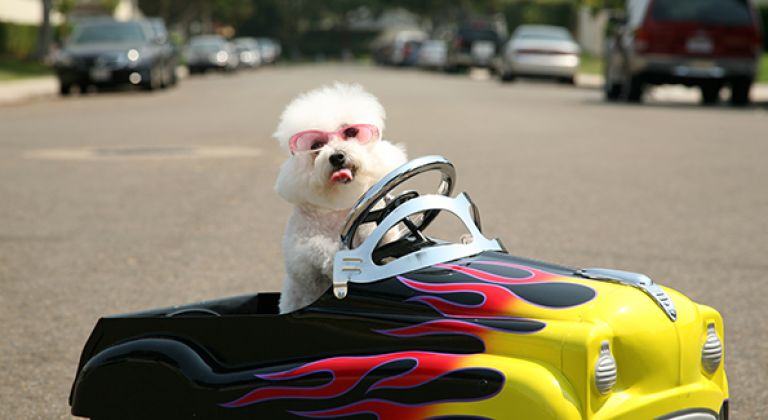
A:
x: 642, y: 39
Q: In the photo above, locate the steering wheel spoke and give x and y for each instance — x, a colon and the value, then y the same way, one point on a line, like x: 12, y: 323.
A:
x: 363, y: 212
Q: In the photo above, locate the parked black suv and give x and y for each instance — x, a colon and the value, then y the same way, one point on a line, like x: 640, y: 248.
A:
x: 108, y: 52
x: 704, y: 43
x: 474, y: 42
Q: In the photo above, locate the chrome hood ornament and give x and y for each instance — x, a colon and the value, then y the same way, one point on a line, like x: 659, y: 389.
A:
x: 637, y: 280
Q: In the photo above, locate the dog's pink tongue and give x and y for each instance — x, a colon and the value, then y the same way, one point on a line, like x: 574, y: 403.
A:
x: 342, y: 175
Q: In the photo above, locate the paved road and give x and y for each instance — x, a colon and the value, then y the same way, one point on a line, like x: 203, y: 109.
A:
x: 105, y: 208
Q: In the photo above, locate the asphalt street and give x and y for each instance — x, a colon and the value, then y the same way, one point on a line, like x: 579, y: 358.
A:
x: 123, y: 201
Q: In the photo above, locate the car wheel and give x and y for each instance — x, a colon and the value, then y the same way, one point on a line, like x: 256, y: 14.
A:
x: 174, y: 78
x: 710, y: 94
x: 153, y: 81
x: 611, y: 89
x: 740, y: 92
x: 506, y: 77
x: 65, y: 89
x: 165, y: 78
x: 632, y: 89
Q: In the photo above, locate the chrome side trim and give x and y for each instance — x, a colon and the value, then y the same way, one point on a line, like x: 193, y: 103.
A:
x: 637, y: 280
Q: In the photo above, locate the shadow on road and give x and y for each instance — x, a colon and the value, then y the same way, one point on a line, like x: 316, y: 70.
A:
x: 677, y: 105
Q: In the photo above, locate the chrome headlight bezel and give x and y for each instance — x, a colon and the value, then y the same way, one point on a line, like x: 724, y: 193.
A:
x: 605, y: 371
x: 711, y: 351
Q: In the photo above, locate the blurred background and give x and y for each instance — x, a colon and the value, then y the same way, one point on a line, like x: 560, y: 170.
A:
x: 608, y: 38
x: 137, y: 164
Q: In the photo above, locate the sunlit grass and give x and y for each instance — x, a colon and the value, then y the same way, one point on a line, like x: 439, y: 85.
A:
x: 762, y: 72
x: 591, y: 64
x: 11, y: 68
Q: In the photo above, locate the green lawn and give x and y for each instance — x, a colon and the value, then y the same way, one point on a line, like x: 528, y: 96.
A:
x: 594, y: 65
x: 591, y: 64
x: 762, y: 73
x: 11, y: 68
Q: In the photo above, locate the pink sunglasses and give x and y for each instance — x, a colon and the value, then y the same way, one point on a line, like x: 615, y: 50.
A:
x: 311, y: 140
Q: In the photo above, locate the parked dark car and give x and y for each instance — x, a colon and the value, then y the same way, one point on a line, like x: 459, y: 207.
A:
x: 474, y: 42
x: 107, y: 52
x: 704, y: 43
x: 211, y: 52
x: 172, y: 50
x: 270, y: 50
x: 398, y: 47
x: 248, y: 51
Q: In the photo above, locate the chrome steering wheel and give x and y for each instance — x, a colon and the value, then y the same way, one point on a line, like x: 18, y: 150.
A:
x: 362, y: 212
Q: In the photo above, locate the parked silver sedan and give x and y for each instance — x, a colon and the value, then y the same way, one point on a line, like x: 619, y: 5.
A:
x: 540, y: 51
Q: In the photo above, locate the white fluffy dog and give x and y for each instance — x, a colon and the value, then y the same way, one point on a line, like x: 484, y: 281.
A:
x: 333, y: 136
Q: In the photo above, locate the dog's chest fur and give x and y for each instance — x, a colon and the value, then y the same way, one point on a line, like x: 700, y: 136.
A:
x: 309, y: 246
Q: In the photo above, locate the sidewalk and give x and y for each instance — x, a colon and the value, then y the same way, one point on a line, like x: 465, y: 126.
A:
x: 12, y: 91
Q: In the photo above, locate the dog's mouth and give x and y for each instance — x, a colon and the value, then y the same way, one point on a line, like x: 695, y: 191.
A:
x: 343, y: 175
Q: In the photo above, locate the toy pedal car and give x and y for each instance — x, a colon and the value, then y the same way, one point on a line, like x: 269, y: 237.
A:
x: 418, y: 328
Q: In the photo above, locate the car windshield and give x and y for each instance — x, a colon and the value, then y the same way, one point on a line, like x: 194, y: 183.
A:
x: 113, y: 32
x: 554, y: 34
x: 722, y: 12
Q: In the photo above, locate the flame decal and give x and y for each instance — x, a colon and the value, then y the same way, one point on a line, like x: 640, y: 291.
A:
x: 462, y: 327
x: 499, y: 294
x: 346, y: 372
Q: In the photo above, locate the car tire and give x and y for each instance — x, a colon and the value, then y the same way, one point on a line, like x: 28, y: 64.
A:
x: 506, y: 77
x: 632, y: 89
x: 710, y: 94
x: 740, y: 92
x: 174, y: 77
x: 153, y: 81
x: 65, y: 89
x: 611, y: 91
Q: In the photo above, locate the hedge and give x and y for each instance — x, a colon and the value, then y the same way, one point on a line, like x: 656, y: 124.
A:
x: 333, y: 42
x: 560, y: 13
x: 18, y: 41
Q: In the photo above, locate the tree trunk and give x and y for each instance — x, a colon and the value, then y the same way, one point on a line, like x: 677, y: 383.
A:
x: 45, y: 37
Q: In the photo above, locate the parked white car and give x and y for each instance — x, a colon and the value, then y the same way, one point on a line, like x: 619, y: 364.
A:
x: 540, y: 51
x: 432, y: 54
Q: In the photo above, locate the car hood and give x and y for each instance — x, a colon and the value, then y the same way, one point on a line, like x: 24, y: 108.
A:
x: 530, y: 302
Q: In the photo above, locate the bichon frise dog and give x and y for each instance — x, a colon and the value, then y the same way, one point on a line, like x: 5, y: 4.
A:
x: 336, y: 152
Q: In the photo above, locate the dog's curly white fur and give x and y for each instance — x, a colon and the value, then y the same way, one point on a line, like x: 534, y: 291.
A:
x: 322, y: 203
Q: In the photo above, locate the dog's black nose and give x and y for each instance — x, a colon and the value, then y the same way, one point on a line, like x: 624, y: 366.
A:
x: 337, y: 159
